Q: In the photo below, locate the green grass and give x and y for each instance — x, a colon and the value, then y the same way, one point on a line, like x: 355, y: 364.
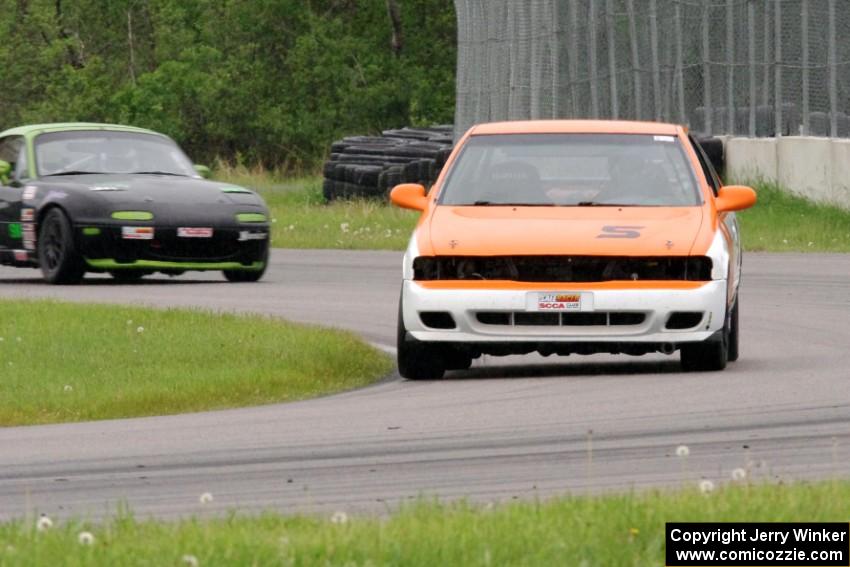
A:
x: 620, y: 530
x: 70, y: 362
x: 780, y: 222
x: 783, y: 222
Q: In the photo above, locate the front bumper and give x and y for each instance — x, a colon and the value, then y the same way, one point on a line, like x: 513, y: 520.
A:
x: 106, y: 248
x: 656, y: 300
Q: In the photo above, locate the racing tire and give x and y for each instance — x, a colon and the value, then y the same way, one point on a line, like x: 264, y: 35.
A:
x: 734, y: 346
x: 417, y: 360
x: 248, y: 276
x: 708, y: 356
x: 58, y: 257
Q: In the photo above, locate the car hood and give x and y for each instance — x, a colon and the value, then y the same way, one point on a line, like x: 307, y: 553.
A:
x: 151, y: 190
x: 608, y: 231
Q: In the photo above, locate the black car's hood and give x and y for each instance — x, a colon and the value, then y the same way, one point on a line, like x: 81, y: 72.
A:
x: 170, y: 198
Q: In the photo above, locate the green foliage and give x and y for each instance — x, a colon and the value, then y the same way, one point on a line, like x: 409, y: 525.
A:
x: 65, y: 362
x: 271, y: 82
x: 614, y: 529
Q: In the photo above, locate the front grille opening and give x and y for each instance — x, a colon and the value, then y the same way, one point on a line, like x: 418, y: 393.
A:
x: 626, y: 318
x: 494, y: 318
x: 437, y: 319
x: 536, y: 319
x: 562, y: 268
x: 584, y: 319
x: 679, y: 320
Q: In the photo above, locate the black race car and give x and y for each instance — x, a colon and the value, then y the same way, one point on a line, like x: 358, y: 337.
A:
x: 79, y: 198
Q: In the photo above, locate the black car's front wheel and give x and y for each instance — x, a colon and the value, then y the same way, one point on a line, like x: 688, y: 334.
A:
x: 58, y: 257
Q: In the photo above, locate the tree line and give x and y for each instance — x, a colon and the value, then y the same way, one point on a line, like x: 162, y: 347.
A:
x: 268, y: 82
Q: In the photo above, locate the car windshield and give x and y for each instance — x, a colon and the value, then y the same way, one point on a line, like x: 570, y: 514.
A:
x: 106, y: 151
x: 571, y: 170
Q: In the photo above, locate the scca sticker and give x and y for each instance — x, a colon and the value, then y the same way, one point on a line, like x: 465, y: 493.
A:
x: 620, y: 232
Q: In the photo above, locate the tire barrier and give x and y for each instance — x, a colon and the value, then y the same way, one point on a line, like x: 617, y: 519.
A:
x: 370, y: 166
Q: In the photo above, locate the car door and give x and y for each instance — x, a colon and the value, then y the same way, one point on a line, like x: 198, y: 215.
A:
x: 13, y: 151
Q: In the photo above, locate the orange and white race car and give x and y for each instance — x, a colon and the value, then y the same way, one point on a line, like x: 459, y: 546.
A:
x: 566, y: 237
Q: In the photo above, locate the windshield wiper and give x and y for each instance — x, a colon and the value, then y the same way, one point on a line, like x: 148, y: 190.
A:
x: 75, y: 172
x: 157, y: 173
x: 500, y: 204
x: 598, y: 204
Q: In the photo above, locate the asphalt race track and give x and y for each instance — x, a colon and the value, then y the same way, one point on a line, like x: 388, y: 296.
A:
x: 506, y: 429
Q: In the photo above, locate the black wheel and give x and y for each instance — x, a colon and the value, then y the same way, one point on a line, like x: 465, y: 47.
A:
x: 58, y: 257
x: 734, y: 348
x: 709, y: 355
x: 417, y: 360
x: 457, y: 359
x: 127, y: 276
x: 238, y: 276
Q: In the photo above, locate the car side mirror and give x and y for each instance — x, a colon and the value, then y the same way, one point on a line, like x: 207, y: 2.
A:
x: 203, y: 171
x: 5, y: 170
x: 409, y: 196
x: 735, y: 198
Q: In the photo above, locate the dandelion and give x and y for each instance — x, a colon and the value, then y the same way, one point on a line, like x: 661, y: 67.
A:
x: 784, y: 241
x: 205, y: 498
x: 682, y: 451
x: 140, y: 329
x: 189, y: 560
x: 85, y: 538
x: 706, y: 486
x: 811, y: 244
x: 43, y: 524
x: 292, y: 227
x: 344, y: 227
x: 633, y: 532
x: 739, y: 474
x: 339, y: 518
x: 68, y: 388
x: 129, y: 322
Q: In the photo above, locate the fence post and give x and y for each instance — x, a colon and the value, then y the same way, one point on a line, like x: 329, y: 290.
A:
x: 536, y: 76
x: 751, y: 31
x: 573, y: 55
x: 777, y: 69
x: 706, y: 70
x: 766, y: 87
x: 653, y: 38
x: 804, y: 38
x: 730, y: 69
x: 680, y: 74
x: 630, y: 6
x: 833, y: 71
x: 594, y: 87
x: 555, y: 55
x: 612, y: 58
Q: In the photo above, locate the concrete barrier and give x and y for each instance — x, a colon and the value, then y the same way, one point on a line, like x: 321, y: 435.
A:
x: 815, y: 168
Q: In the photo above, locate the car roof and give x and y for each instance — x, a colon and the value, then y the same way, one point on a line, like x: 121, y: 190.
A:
x: 31, y: 130
x: 575, y: 127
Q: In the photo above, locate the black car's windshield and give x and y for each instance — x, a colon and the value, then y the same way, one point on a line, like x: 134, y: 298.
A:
x: 105, y: 151
x: 571, y: 170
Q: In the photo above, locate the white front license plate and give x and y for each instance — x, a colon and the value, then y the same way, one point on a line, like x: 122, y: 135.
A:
x: 194, y: 232
x: 559, y: 301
